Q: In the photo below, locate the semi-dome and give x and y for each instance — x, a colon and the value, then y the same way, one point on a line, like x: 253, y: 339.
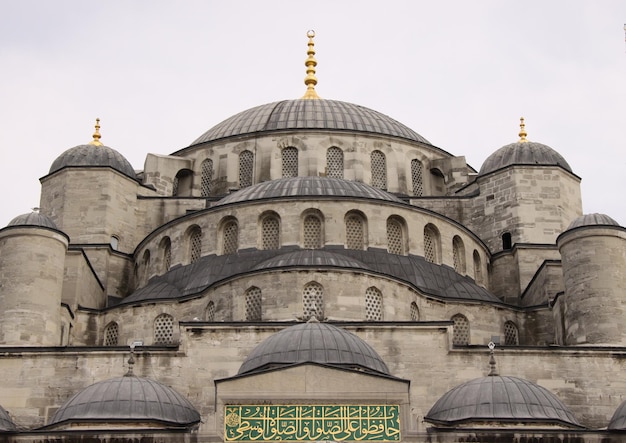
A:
x: 500, y: 399
x: 310, y: 257
x: 312, y: 186
x: 618, y: 421
x: 523, y: 153
x: 302, y: 114
x: 6, y: 424
x: 593, y: 220
x: 128, y: 399
x: 33, y: 219
x: 314, y: 342
x: 93, y: 155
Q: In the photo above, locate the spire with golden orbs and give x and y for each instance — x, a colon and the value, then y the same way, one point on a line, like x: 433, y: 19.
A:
x: 96, y: 135
x: 310, y: 80
x: 522, y: 131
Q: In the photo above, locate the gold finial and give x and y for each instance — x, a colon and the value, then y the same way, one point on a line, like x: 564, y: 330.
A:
x: 310, y: 80
x: 96, y: 135
x: 522, y: 131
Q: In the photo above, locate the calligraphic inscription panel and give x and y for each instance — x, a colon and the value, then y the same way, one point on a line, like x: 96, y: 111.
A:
x: 311, y: 422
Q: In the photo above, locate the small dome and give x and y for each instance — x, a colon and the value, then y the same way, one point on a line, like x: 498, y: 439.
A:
x: 523, y: 153
x: 618, y: 421
x: 309, y: 114
x: 308, y: 187
x: 500, y: 399
x: 593, y: 220
x: 92, y: 155
x: 128, y: 399
x: 6, y: 424
x: 33, y: 219
x: 314, y: 342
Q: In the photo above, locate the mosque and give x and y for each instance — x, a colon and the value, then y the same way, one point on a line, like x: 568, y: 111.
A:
x: 312, y: 270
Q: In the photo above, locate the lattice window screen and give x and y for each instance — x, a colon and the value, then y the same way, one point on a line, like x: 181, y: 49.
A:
x: 290, y: 162
x: 111, y: 334
x: 270, y: 233
x: 417, y: 175
x: 313, y: 301
x: 253, y: 304
x: 245, y: 169
x: 231, y: 237
x: 354, y: 232
x: 461, y: 330
x: 210, y: 312
x: 175, y: 187
x: 167, y: 255
x: 373, y: 304
x: 511, y: 336
x: 145, y: 267
x: 312, y: 232
x: 195, y: 241
x: 206, y: 177
x: 478, y: 269
x: 379, y: 170
x: 415, y: 312
x: 164, y: 329
x: 395, y: 240
x: 458, y: 255
x: 334, y: 163
x: 430, y: 253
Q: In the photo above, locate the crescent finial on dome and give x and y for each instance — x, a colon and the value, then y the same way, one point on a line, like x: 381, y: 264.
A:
x: 522, y: 131
x: 310, y: 80
x: 96, y: 135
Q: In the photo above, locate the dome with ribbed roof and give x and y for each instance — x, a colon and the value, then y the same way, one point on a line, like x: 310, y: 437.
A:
x: 33, y: 219
x: 128, y: 399
x: 6, y: 424
x: 312, y: 186
x: 593, y: 220
x: 501, y: 399
x: 523, y: 153
x: 301, y: 114
x: 92, y: 155
x: 314, y: 342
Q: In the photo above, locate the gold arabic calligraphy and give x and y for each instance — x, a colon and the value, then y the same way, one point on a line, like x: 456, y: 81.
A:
x: 311, y: 422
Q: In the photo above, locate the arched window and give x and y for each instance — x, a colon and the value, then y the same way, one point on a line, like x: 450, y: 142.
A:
x: 166, y: 248
x: 181, y: 185
x: 254, y: 308
x: 511, y: 335
x: 415, y: 312
x: 458, y: 254
x: 114, y: 242
x: 461, y: 333
x: 246, y: 160
x: 417, y: 176
x: 313, y: 301
x: 290, y: 162
x: 478, y: 268
x: 432, y: 244
x: 312, y: 232
x: 373, y: 304
x: 270, y: 232
x: 355, y: 231
x: 206, y: 177
x: 145, y: 267
x: 195, y: 244
x: 164, y: 330
x: 334, y: 162
x: 230, y: 237
x: 506, y: 241
x: 395, y: 236
x: 209, y: 312
x: 111, y: 334
x: 379, y: 170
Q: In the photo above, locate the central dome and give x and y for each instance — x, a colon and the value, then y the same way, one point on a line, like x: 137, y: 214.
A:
x: 309, y: 114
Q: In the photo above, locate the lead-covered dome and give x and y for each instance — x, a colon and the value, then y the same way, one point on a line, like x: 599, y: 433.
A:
x: 618, y: 421
x: 128, y: 399
x: 309, y: 114
x: 93, y: 155
x: 6, y: 424
x: 314, y: 342
x: 593, y: 220
x: 312, y: 186
x: 523, y: 153
x: 33, y: 219
x: 501, y: 399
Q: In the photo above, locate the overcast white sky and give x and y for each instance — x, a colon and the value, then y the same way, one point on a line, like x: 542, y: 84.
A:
x: 460, y: 73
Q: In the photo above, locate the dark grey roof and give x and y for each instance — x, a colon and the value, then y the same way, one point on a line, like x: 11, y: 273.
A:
x: 128, y: 399
x: 593, y: 220
x: 309, y: 114
x: 6, y: 424
x: 33, y: 219
x: 500, y: 399
x: 92, y: 155
x: 618, y: 421
x: 314, y: 342
x: 308, y: 187
x: 435, y: 280
x: 523, y: 153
